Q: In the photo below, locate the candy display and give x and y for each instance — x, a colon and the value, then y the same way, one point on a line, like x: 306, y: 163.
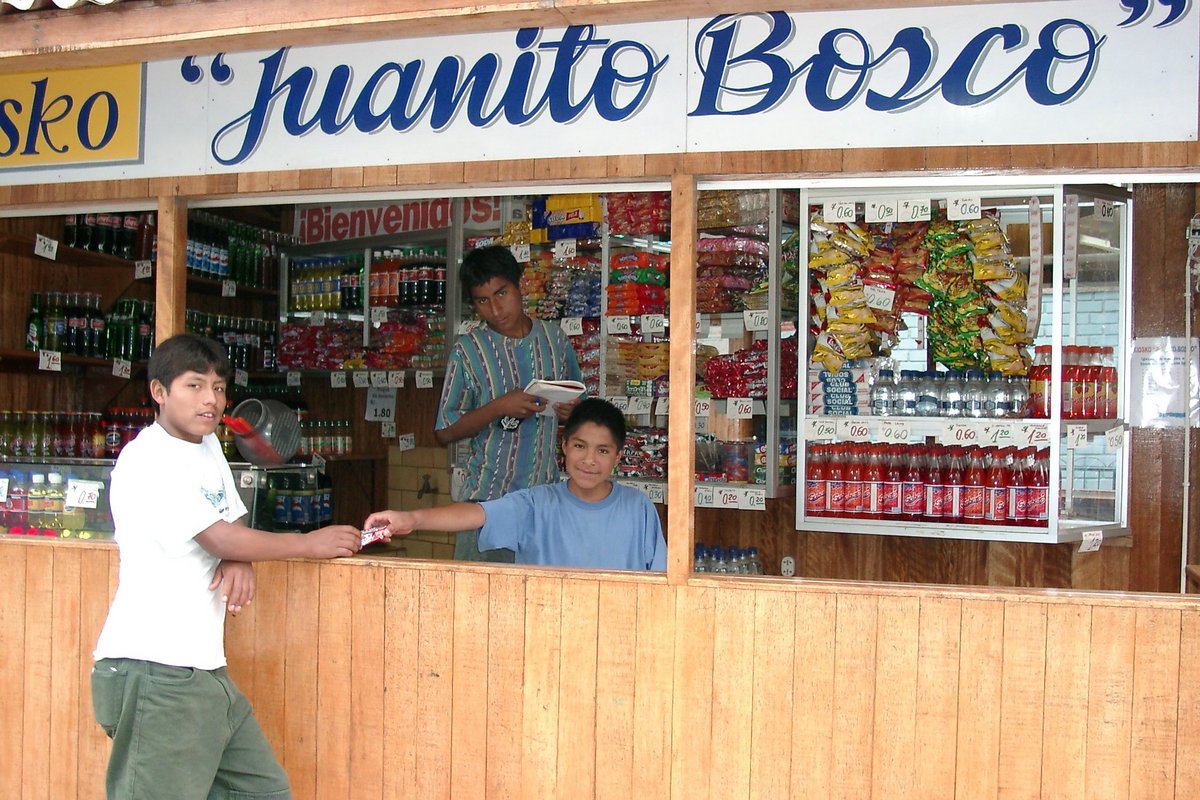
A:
x: 407, y: 339
x: 587, y: 352
x: 638, y: 213
x: 744, y: 373
x: 644, y: 454
x: 728, y: 269
x: 723, y: 208
x: 637, y: 283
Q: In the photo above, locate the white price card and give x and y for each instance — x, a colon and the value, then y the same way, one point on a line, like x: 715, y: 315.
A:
x: 318, y: 461
x: 3, y: 490
x: 293, y: 378
x: 895, y: 431
x: 317, y: 320
x: 1000, y: 434
x: 620, y: 402
x: 229, y: 289
x: 379, y: 315
x: 640, y: 405
x: 654, y: 324
x: 1076, y: 436
x: 395, y: 378
x: 379, y: 379
x: 963, y: 207
x: 739, y: 408
x: 1033, y: 434
x: 701, y: 424
x: 424, y: 379
x: 388, y: 430
x: 913, y: 210
x: 82, y: 494
x: 142, y: 269
x: 962, y: 433
x: 880, y: 297
x: 839, y: 211
x: 1091, y: 541
x: 45, y: 247
x: 881, y: 211
x: 1106, y: 210
x: 817, y: 428
x: 241, y: 377
x: 520, y: 252
x: 617, y: 325
x: 703, y: 407
x: 407, y: 441
x: 755, y: 320
x: 360, y: 378
x: 565, y: 248
x: 381, y: 405
x: 572, y: 326
x: 662, y: 406
x: 50, y: 360
x: 854, y: 430
x: 753, y: 500
x: 122, y: 368
x: 337, y: 379
x: 1114, y: 439
x: 728, y: 497
x: 657, y: 492
x: 703, y: 497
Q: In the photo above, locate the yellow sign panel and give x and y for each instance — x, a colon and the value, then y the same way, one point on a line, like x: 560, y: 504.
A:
x: 71, y: 116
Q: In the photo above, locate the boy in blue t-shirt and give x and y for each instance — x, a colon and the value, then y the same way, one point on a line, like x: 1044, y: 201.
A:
x: 584, y: 521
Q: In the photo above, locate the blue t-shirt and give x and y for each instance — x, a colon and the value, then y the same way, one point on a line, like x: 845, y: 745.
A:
x: 548, y: 525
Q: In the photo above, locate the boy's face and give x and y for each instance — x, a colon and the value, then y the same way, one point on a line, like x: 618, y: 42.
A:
x: 590, y: 454
x: 192, y: 406
x: 500, y: 304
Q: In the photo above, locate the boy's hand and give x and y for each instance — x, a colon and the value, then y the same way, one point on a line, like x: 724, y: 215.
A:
x: 333, y: 541
x: 563, y: 410
x: 398, y: 523
x: 517, y: 404
x: 236, y: 582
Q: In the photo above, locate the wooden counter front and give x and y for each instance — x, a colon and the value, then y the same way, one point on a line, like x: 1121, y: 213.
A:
x: 404, y: 679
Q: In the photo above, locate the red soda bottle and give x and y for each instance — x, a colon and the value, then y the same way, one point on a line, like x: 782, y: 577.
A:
x: 1039, y: 384
x: 892, y: 480
x: 814, y: 481
x: 972, y: 502
x: 1107, y: 400
x: 854, y: 480
x: 1072, y: 384
x: 1089, y: 372
x: 996, y: 482
x: 1037, y: 503
x: 835, y: 482
x: 912, y: 486
x: 953, y: 485
x: 873, y: 482
x: 935, y: 485
x: 1018, y: 489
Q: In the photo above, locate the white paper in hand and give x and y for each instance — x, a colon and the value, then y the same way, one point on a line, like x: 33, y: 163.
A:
x: 555, y: 392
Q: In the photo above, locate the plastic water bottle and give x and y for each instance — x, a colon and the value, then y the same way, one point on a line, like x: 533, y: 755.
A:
x: 756, y: 566
x: 952, y: 394
x: 883, y: 394
x: 929, y: 395
x: 719, y: 564
x: 905, y: 400
x: 998, y: 400
x: 974, y: 395
x: 1018, y: 395
x: 700, y: 560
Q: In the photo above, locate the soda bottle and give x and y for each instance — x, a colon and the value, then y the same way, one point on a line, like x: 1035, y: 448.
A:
x: 972, y: 503
x: 814, y: 482
x: 1072, y: 384
x: 1018, y: 489
x: 1037, y: 503
x: 70, y: 230
x: 1107, y: 398
x: 835, y: 482
x: 34, y: 324
x: 52, y: 504
x: 36, y: 503
x: 997, y: 482
x: 55, y: 328
x: 147, y: 230
x: 1089, y: 379
x: 1038, y: 406
x: 912, y: 486
x: 854, y: 480
x: 953, y: 484
x: 873, y: 482
x: 892, y: 480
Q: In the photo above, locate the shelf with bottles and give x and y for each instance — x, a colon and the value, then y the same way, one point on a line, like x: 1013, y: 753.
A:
x: 221, y: 250
x: 59, y: 500
x: 291, y: 498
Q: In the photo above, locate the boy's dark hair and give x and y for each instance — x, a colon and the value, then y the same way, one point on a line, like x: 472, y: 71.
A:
x: 600, y: 412
x: 480, y: 266
x: 185, y: 352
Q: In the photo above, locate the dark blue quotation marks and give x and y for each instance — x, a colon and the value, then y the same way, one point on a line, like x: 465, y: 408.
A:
x: 192, y: 73
x: 1138, y: 9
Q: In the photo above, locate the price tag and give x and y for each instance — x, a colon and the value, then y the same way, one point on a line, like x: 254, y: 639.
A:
x: 360, y: 378
x: 293, y: 378
x: 381, y: 405
x: 318, y: 461
x: 895, y: 431
x: 640, y: 405
x: 1000, y: 434
x: 122, y: 368
x: 50, y: 360
x: 395, y: 378
x: 701, y: 425
x: 962, y: 433
x: 520, y: 252
x: 817, y: 428
x: 565, y: 248
x: 703, y: 497
x: 963, y: 207
x: 1091, y: 541
x: 229, y: 289
x: 82, y: 494
x: 3, y: 490
x: 728, y: 497
x: 1106, y: 210
x: 854, y: 430
x: 881, y: 211
x: 424, y: 379
x: 337, y: 380
x: 657, y: 492
x: 739, y: 408
x: 755, y: 320
x: 840, y: 211
x: 572, y: 326
x: 913, y: 211
x: 379, y: 315
x: 703, y: 407
x: 143, y: 269
x: 45, y: 247
x: 753, y: 500
x: 654, y: 324
x: 1114, y: 439
x: 1033, y: 434
x: 880, y: 297
x: 388, y: 430
x: 317, y: 320
x: 241, y: 377
x: 1076, y: 436
x: 620, y: 402
x: 617, y: 325
x: 662, y: 406
x: 407, y: 441
x: 379, y: 379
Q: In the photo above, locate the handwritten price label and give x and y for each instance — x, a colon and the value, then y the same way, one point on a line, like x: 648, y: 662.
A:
x: 572, y: 326
x: 337, y: 380
x: 840, y: 211
x: 703, y: 407
x: 229, y: 289
x: 317, y: 320
x: 1076, y: 436
x: 881, y: 211
x: 739, y: 408
x: 1033, y: 435
x: 620, y: 402
x: 1000, y: 433
x: 82, y: 494
x: 565, y: 248
x: 654, y: 324
x: 407, y: 441
x: 396, y: 379
x: 962, y: 433
x: 820, y: 428
x: 963, y: 207
x: 143, y: 269
x: 388, y: 430
x: 753, y: 500
x: 122, y: 368
x: 895, y: 431
x: 241, y: 377
x: 520, y: 252
x: 728, y: 497
x: 293, y: 378
x: 662, y: 406
x: 618, y: 325
x: 913, y: 211
x: 880, y: 297
x: 1106, y: 210
x: 379, y: 316
x: 379, y: 379
x: 853, y: 430
x: 1114, y: 439
x: 703, y: 497
x: 657, y: 492
x: 45, y: 247
x: 755, y: 320
x: 640, y: 405
x: 1091, y: 541
x: 50, y: 360
x: 361, y: 379
x: 424, y: 379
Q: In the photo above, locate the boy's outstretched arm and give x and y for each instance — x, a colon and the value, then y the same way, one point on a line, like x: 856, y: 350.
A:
x: 453, y: 517
x: 234, y: 541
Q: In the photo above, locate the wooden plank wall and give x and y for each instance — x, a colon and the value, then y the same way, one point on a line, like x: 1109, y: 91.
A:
x: 424, y: 680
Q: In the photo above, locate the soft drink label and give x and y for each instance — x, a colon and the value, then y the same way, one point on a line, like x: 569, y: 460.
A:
x: 873, y: 505
x: 997, y: 504
x: 853, y: 499
x: 835, y: 496
x: 890, y: 499
x: 1017, y: 502
x: 972, y: 503
x: 1036, y: 508
x: 935, y: 501
x: 814, y: 496
x: 912, y: 498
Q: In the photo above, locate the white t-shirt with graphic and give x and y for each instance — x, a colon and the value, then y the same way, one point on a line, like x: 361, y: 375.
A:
x: 164, y: 491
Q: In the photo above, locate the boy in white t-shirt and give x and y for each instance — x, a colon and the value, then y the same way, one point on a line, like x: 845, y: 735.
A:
x: 180, y: 727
